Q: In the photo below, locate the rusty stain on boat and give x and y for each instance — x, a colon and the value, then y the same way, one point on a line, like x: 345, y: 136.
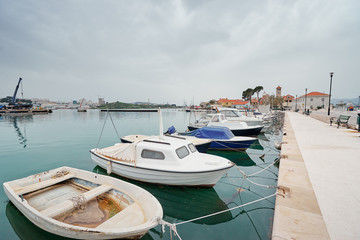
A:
x: 95, y: 212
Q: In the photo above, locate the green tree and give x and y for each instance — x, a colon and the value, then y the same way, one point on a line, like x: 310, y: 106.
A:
x: 247, y: 94
x: 257, y: 90
x: 212, y: 101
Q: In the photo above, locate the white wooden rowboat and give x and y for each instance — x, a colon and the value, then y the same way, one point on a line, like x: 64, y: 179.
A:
x: 84, y: 205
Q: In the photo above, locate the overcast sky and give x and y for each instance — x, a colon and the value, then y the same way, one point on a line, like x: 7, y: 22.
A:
x: 176, y: 51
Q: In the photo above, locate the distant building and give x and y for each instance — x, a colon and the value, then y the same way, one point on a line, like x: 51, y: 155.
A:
x: 287, y: 103
x: 101, y: 101
x: 224, y: 102
x: 278, y: 91
x: 314, y: 100
x: 241, y: 104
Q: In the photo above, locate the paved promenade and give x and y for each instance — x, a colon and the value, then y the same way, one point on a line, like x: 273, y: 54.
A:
x: 322, y: 163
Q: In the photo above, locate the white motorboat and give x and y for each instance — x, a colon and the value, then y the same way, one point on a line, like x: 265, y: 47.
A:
x: 84, y: 205
x: 233, y: 114
x: 236, y: 127
x: 162, y: 160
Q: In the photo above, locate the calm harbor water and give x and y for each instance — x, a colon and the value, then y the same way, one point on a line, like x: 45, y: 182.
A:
x: 33, y: 144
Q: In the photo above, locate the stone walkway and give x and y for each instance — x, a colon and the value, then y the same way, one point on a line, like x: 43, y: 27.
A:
x: 321, y: 182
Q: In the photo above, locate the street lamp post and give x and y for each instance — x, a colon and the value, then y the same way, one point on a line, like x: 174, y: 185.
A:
x: 331, y: 75
x: 305, y: 98
x: 296, y: 103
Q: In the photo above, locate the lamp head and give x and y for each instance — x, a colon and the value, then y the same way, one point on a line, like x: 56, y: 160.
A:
x: 331, y: 74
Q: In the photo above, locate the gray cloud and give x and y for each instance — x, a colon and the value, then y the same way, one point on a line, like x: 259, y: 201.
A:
x: 171, y: 51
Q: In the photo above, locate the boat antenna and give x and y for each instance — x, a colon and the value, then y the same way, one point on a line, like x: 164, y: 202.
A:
x: 161, y: 127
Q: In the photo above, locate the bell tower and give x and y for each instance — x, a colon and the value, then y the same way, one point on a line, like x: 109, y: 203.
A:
x: 278, y: 91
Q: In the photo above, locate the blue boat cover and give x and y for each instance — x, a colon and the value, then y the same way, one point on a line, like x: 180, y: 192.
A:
x: 171, y: 130
x: 213, y: 132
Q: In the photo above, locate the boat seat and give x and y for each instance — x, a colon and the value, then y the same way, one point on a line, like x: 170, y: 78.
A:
x: 131, y: 216
x: 69, y: 204
x: 19, y: 190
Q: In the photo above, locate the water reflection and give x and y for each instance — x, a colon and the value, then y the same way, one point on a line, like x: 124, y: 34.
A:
x: 240, y: 158
x: 193, y: 202
x: 15, y: 120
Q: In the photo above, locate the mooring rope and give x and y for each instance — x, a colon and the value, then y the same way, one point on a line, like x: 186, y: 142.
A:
x: 114, y: 127
x: 273, y: 163
x: 102, y: 130
x: 238, y: 150
x: 253, y: 174
x: 173, y: 225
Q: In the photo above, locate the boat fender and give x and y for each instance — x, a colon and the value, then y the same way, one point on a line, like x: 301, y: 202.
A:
x: 108, y: 169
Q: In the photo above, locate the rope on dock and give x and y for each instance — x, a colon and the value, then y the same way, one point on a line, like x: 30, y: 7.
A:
x: 173, y: 225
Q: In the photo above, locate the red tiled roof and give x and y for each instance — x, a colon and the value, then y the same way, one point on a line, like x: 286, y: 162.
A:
x: 290, y: 97
x: 240, y: 102
x: 225, y: 100
x: 317, y: 94
x: 278, y: 87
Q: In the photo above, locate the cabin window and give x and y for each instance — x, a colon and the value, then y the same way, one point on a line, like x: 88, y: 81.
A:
x: 215, y: 119
x: 152, y: 154
x: 182, y: 152
x: 192, y: 147
x: 230, y: 114
x: 222, y: 117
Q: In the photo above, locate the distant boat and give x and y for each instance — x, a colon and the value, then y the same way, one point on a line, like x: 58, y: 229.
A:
x: 84, y: 205
x: 222, y: 138
x: 218, y: 119
x: 162, y: 160
x: 80, y: 109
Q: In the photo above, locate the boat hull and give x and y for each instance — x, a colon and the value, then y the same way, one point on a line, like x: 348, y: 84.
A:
x: 231, y: 145
x: 238, y: 132
x: 202, y: 179
x: 51, y: 225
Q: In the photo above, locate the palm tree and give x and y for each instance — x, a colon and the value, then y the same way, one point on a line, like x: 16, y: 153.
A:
x: 257, y: 90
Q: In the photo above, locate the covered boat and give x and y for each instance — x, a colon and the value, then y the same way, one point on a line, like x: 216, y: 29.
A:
x: 236, y: 127
x: 222, y: 138
x: 79, y: 204
x: 162, y: 160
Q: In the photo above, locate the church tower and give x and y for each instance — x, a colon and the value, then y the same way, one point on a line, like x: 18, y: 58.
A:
x: 278, y: 91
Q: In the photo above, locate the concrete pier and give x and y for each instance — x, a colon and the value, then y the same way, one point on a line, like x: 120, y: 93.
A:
x: 319, y: 181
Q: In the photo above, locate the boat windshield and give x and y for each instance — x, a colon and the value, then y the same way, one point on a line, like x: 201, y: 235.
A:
x: 230, y: 114
x: 192, y: 147
x: 182, y: 152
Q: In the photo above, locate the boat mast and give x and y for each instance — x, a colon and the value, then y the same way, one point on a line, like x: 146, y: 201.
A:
x: 161, y: 127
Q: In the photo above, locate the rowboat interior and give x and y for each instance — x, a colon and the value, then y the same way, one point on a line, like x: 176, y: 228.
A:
x: 79, y: 202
